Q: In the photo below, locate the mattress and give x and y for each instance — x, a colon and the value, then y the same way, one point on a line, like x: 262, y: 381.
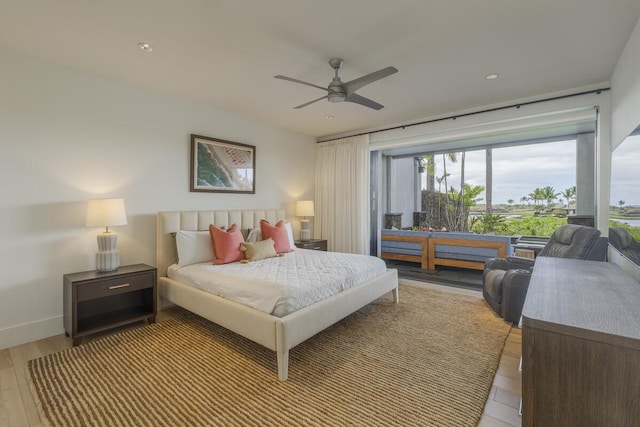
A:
x: 282, y: 285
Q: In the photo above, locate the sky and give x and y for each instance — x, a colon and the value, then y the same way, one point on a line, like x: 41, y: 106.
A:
x: 517, y: 171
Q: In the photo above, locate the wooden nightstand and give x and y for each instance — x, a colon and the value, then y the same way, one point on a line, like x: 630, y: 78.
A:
x: 97, y: 301
x: 315, y: 244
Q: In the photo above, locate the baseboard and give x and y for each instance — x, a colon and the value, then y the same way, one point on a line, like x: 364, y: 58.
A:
x: 30, y: 331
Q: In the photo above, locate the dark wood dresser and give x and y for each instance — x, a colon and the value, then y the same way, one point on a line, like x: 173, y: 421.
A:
x: 581, y: 345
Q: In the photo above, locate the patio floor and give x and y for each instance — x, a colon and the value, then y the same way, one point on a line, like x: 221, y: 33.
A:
x: 448, y: 276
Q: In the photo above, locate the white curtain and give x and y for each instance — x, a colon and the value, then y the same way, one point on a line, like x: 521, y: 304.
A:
x: 342, y: 194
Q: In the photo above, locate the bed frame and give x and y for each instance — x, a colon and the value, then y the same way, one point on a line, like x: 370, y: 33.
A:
x: 279, y: 334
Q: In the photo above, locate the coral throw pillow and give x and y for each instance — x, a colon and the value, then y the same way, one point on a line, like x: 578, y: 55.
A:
x: 278, y: 233
x: 227, y: 244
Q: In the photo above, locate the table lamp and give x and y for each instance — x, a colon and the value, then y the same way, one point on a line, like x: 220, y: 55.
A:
x: 304, y: 209
x: 106, y: 213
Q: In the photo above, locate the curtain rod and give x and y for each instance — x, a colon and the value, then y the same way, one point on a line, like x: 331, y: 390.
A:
x: 455, y: 116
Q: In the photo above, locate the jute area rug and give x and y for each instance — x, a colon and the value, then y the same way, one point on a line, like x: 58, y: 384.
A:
x: 428, y: 361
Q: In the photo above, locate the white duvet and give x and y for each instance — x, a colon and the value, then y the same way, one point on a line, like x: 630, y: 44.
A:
x: 282, y: 285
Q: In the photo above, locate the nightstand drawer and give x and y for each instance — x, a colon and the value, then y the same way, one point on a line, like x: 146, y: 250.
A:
x: 114, y: 286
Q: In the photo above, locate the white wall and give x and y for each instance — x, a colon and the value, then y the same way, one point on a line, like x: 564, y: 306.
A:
x: 625, y: 109
x: 625, y: 90
x: 66, y: 137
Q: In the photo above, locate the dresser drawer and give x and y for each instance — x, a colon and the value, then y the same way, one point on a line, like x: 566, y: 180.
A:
x: 114, y: 286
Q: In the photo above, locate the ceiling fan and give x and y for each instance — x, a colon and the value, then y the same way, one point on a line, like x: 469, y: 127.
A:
x: 339, y: 91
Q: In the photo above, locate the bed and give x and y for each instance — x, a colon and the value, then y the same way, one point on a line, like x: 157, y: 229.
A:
x: 279, y: 334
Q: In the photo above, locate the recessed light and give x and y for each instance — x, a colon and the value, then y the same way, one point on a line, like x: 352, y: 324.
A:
x: 330, y: 117
x: 491, y: 76
x: 146, y: 47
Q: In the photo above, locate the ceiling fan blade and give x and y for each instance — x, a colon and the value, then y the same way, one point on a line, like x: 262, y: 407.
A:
x: 299, y: 81
x: 311, y: 102
x: 356, y: 84
x: 358, y: 99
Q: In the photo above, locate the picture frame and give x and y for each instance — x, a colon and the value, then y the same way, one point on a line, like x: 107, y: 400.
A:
x: 220, y: 166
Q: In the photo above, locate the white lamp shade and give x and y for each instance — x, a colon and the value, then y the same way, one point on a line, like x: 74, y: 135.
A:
x: 106, y: 213
x: 305, y: 208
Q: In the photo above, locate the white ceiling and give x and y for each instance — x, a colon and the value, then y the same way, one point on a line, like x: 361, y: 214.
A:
x: 225, y: 53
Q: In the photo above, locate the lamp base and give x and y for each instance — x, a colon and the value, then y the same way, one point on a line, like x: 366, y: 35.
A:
x: 305, y: 232
x: 107, y: 257
x: 305, y: 235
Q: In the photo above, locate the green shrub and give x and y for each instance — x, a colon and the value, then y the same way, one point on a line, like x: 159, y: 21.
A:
x: 488, y: 223
x: 526, y: 226
x: 542, y: 226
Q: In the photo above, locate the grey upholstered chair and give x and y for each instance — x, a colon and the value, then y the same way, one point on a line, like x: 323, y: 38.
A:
x: 623, y: 241
x: 505, y: 281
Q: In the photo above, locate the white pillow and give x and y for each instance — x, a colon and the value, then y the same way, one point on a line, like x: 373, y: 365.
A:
x: 194, y: 247
x: 287, y: 226
x: 255, y: 235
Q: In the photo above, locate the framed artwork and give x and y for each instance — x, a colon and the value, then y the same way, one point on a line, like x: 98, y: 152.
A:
x: 221, y: 166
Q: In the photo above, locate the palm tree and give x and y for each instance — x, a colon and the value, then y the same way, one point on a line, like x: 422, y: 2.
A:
x: 454, y: 158
x: 549, y: 195
x: 536, y: 196
x: 458, y: 219
x: 569, y: 194
x: 429, y: 161
x: 524, y: 199
x: 440, y: 179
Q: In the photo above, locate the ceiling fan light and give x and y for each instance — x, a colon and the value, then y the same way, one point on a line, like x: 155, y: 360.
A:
x: 336, y: 97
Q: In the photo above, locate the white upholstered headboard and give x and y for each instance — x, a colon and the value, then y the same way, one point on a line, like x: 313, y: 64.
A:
x: 172, y: 222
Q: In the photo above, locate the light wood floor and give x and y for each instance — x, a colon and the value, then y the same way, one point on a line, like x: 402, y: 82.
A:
x: 504, y: 399
x: 17, y: 407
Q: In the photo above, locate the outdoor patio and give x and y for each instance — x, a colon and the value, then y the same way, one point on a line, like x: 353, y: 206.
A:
x: 448, y: 276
